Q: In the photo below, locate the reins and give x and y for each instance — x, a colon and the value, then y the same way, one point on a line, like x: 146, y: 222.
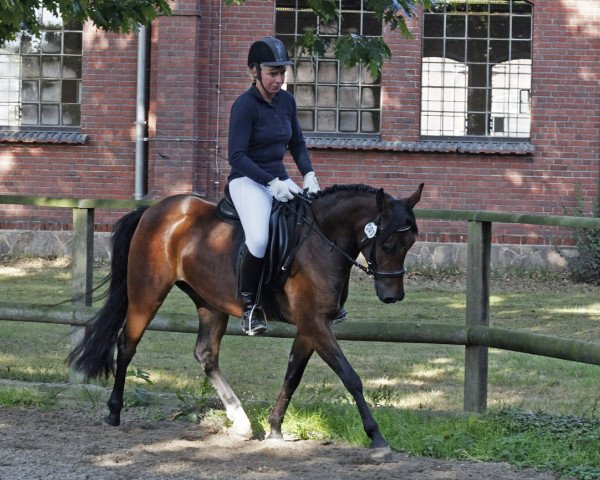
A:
x: 370, y: 269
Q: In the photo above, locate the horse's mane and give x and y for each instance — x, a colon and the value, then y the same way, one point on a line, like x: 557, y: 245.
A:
x: 358, y: 187
x: 402, y: 218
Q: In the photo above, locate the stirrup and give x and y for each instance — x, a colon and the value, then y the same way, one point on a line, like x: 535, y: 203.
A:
x: 254, y: 321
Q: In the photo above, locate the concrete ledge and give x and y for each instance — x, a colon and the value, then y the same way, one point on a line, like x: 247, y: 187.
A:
x: 441, y: 255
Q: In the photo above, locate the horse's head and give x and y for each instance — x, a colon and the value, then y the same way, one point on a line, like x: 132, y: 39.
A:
x: 387, y: 239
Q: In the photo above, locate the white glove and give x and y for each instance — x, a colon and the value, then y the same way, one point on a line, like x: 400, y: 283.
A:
x: 310, y: 183
x: 280, y: 190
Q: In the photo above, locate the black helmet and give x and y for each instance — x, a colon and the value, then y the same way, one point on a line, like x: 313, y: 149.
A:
x: 270, y: 52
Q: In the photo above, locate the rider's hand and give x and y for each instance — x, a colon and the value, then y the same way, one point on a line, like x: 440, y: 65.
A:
x: 280, y: 190
x: 310, y: 183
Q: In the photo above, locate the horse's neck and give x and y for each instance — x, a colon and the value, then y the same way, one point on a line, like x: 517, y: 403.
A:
x: 341, y: 216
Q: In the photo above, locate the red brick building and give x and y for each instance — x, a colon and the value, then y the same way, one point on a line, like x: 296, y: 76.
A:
x: 495, y: 105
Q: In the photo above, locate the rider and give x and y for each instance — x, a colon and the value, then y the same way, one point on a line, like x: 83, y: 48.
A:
x: 262, y: 126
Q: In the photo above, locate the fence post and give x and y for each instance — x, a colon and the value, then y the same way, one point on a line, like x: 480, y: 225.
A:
x: 82, y: 269
x: 478, y: 313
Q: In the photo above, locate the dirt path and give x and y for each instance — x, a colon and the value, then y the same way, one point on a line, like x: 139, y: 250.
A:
x: 67, y: 445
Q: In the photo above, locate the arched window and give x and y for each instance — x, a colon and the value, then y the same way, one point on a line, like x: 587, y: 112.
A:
x: 476, y: 73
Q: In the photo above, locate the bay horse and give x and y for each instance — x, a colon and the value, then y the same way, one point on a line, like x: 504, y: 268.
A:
x: 181, y: 241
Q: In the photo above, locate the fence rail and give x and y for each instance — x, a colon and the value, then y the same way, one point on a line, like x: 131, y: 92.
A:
x: 476, y: 335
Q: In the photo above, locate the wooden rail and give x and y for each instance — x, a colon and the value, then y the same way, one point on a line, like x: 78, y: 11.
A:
x: 475, y: 335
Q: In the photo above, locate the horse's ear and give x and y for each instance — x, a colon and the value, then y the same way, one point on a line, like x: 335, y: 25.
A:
x: 381, y: 201
x: 415, y: 197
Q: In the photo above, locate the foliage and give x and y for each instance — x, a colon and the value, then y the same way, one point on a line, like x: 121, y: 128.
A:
x: 585, y: 268
x: 123, y: 16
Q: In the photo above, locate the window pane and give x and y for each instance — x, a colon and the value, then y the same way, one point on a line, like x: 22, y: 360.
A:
x: 455, y: 26
x: 326, y: 121
x: 305, y: 95
x: 477, y: 26
x: 51, y: 67
x: 71, y: 67
x: 521, y: 27
x: 73, y: 43
x: 349, y: 122
x: 369, y: 122
x: 50, y: 114
x: 434, y: 26
x: 349, y: 97
x: 50, y: 91
x: 307, y: 120
x: 371, y: 26
x: 51, y: 42
x: 349, y: 75
x: 328, y: 72
x: 326, y: 96
x: 71, y: 115
x: 500, y: 26
x: 31, y: 67
x: 70, y: 91
x: 30, y: 91
x: 369, y: 97
x: 305, y: 72
x: 29, y: 114
x: 306, y: 20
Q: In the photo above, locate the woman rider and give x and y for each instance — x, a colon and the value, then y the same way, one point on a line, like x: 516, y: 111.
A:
x: 262, y: 126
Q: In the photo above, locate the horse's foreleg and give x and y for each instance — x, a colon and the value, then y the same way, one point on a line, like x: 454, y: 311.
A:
x: 299, y: 356
x: 211, y: 331
x: 329, y: 350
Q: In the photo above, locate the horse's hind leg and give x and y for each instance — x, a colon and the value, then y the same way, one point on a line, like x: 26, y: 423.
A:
x: 138, y: 320
x: 329, y: 350
x: 211, y: 330
x: 299, y: 357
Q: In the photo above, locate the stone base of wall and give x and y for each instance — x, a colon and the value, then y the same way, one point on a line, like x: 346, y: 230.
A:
x: 440, y: 255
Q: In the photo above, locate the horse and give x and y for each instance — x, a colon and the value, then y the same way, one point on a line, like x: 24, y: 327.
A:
x: 180, y: 241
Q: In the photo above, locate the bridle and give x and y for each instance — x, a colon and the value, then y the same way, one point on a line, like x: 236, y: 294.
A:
x: 370, y: 239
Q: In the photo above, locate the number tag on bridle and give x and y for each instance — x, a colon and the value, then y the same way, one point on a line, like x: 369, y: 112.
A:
x: 370, y: 230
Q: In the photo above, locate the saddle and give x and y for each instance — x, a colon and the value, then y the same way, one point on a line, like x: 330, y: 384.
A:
x: 286, y: 235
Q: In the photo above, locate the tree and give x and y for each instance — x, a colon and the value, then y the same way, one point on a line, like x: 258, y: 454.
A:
x: 122, y: 16
x: 125, y: 16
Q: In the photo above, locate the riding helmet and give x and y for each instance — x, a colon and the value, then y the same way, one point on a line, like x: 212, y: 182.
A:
x: 270, y: 52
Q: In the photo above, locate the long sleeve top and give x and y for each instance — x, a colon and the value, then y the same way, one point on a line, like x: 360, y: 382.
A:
x: 259, y: 135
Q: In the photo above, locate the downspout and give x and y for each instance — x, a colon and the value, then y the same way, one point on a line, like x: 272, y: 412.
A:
x: 140, y: 116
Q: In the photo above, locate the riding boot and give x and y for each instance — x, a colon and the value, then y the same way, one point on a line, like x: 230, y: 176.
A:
x: 250, y: 270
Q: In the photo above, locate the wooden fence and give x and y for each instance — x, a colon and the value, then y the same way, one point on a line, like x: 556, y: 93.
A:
x: 476, y: 334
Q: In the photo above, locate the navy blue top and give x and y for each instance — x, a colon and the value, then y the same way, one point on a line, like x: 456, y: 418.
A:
x: 260, y: 133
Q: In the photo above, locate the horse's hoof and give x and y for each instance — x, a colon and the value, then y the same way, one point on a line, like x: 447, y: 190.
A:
x: 277, y: 436
x: 243, y: 432
x: 113, y: 420
x: 381, y: 453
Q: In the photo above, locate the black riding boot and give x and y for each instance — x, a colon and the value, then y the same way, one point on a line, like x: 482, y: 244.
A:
x: 250, y: 270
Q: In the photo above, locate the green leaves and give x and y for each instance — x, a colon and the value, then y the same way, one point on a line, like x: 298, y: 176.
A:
x: 124, y: 16
x: 351, y: 49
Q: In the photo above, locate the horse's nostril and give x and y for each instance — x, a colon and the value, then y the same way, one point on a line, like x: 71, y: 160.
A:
x: 389, y: 300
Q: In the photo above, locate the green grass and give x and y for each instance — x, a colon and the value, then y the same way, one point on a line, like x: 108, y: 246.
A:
x: 414, y: 389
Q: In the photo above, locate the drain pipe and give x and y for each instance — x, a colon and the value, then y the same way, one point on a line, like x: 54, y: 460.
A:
x: 140, y: 116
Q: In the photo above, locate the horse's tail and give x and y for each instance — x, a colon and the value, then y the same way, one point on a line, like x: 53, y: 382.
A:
x: 94, y: 355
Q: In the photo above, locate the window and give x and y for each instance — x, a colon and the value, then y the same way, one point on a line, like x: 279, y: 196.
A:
x: 331, y: 99
x: 476, y: 74
x: 40, y: 77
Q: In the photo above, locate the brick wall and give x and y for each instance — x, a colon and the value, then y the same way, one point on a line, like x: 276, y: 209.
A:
x: 197, y: 69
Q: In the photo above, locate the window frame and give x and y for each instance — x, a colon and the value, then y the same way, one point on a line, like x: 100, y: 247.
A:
x: 35, y: 52
x: 368, y: 100
x: 470, y: 91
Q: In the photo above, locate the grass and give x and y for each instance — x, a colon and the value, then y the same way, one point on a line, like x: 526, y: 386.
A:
x: 415, y: 389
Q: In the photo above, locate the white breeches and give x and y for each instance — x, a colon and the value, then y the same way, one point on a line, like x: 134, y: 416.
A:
x: 253, y: 203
